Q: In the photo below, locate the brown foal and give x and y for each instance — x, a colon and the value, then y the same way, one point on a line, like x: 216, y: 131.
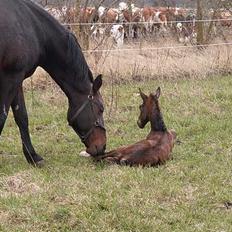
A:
x: 156, y: 148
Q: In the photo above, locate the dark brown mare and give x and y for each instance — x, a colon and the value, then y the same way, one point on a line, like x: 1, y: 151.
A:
x: 30, y: 37
x: 156, y: 148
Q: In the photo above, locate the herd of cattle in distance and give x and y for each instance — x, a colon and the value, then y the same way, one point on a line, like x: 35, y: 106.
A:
x: 129, y: 21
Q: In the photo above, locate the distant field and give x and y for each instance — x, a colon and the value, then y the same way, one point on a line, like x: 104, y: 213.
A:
x: 192, y: 192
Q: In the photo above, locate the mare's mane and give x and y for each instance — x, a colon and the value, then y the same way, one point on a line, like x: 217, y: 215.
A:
x: 76, y: 61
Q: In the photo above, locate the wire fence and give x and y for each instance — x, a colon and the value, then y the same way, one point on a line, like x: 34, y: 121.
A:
x: 157, y: 48
x: 145, y: 22
x: 102, y: 24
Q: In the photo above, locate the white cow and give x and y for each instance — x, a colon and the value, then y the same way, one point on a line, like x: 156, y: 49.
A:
x: 101, y: 11
x: 58, y: 13
x: 122, y: 6
x: 97, y: 32
x: 117, y: 33
x: 183, y: 33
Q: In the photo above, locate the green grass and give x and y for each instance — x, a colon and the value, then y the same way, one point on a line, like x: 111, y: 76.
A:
x: 72, y: 193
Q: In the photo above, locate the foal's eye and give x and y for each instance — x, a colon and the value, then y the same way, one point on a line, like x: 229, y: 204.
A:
x: 102, y: 109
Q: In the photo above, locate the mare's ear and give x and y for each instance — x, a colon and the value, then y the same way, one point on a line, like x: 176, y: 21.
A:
x: 143, y: 95
x: 157, y: 93
x: 97, y: 83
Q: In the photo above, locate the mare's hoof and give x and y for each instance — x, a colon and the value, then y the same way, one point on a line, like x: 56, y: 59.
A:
x: 40, y: 164
x: 34, y: 159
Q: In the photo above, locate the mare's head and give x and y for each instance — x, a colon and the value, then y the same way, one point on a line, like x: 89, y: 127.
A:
x: 149, y: 109
x: 87, y: 120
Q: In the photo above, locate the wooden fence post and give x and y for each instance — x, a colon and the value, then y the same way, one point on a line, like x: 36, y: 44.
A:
x: 200, y: 26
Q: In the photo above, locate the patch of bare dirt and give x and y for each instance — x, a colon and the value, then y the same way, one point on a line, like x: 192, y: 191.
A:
x: 4, y: 216
x: 19, y: 184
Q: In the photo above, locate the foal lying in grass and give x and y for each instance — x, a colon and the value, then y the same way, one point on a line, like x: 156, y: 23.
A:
x: 156, y: 148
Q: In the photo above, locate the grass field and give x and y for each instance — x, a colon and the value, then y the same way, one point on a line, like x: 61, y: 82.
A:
x: 192, y: 192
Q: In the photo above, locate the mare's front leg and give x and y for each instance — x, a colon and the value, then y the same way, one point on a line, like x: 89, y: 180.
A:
x: 21, y: 118
x: 7, y: 93
x: 3, y: 116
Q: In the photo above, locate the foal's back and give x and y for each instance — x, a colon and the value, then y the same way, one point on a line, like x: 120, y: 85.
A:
x: 162, y: 144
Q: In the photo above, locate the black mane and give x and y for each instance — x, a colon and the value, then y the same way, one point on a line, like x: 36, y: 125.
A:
x: 157, y: 121
x: 76, y: 61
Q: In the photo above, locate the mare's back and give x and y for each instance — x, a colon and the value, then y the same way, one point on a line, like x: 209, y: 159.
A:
x: 25, y: 31
x: 16, y: 14
x: 23, y: 20
x: 19, y: 26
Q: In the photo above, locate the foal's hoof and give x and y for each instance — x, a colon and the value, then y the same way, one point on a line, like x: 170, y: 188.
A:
x: 84, y: 154
x: 124, y: 162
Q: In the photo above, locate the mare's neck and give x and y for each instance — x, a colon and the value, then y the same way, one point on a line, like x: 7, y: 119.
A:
x: 65, y: 62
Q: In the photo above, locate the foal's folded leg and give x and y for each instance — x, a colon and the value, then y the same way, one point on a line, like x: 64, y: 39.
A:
x: 111, y: 157
x: 116, y: 157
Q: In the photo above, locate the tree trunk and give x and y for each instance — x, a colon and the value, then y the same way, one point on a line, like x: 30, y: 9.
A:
x: 200, y: 25
x: 211, y: 26
x: 81, y: 31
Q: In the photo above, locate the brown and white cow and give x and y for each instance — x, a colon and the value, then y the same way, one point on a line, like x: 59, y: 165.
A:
x: 130, y: 15
x: 107, y: 15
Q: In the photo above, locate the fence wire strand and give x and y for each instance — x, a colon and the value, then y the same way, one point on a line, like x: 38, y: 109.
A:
x: 144, y: 22
x: 157, y: 48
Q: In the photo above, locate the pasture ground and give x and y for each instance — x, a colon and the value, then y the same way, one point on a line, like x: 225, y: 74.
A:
x: 192, y: 192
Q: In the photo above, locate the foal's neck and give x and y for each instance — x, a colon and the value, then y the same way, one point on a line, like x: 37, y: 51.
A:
x: 157, y: 122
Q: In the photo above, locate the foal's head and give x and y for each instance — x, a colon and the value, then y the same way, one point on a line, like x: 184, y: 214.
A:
x: 150, y: 111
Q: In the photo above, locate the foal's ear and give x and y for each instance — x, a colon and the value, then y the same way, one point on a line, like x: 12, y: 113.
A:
x: 97, y: 83
x: 143, y: 95
x: 157, y: 93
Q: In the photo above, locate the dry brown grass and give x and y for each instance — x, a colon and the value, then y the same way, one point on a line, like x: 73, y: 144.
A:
x: 167, y: 63
x: 140, y: 65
